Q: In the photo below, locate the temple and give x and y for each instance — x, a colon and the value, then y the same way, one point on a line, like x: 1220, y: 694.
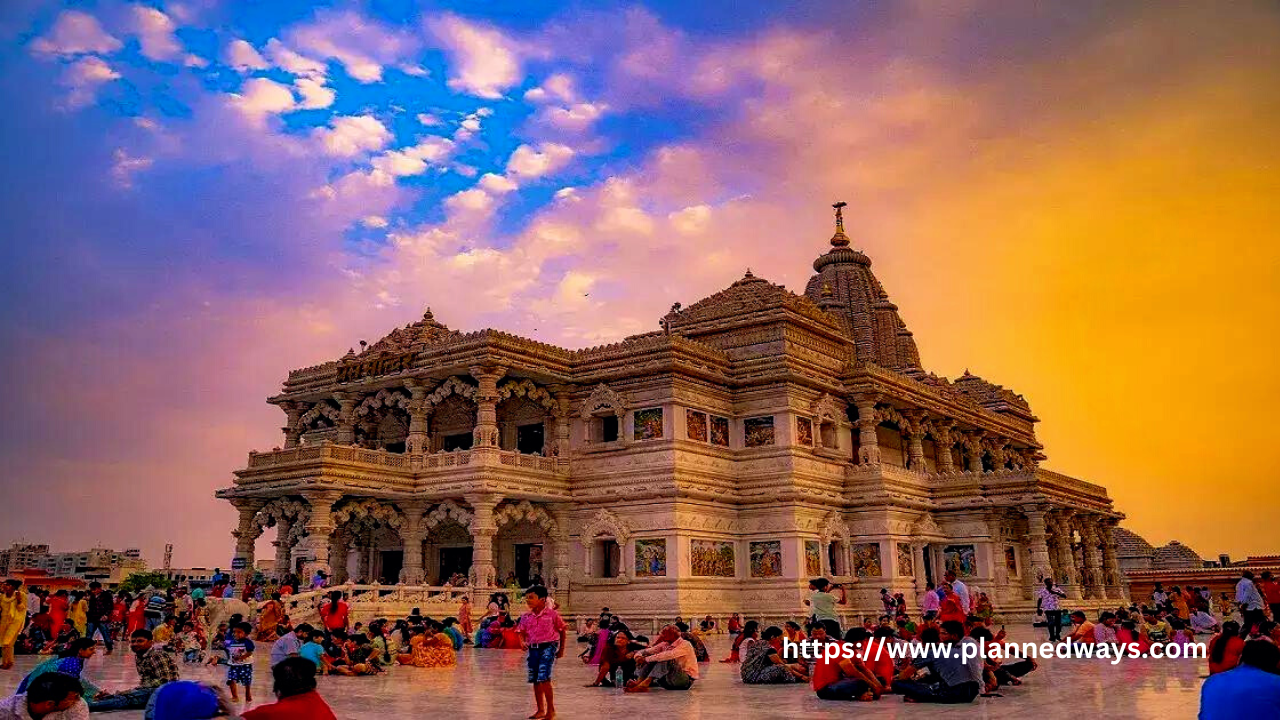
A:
x: 757, y: 439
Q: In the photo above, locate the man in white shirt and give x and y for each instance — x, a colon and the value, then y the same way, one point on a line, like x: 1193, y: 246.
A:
x: 1047, y: 602
x: 929, y: 602
x: 51, y: 696
x: 672, y: 663
x: 1250, y: 602
x: 962, y: 590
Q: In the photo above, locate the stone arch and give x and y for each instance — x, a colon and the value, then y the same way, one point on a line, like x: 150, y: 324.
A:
x: 356, y: 510
x: 603, y: 397
x: 446, y: 511
x: 606, y: 522
x: 926, y: 528
x: 511, y: 513
x: 280, y: 509
x: 384, y: 398
x: 452, y: 386
x: 323, y: 409
x: 833, y: 527
x: 526, y: 388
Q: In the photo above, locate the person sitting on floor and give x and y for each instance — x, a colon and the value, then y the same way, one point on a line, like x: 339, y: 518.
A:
x: 699, y: 648
x: 749, y: 633
x: 836, y: 677
x: 155, y: 668
x: 958, y: 680
x: 618, y: 656
x: 672, y: 664
x: 1249, y: 691
x: 70, y: 662
x: 763, y: 663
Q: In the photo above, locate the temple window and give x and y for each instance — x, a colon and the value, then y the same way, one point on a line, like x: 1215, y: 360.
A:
x: 530, y: 438
x: 607, y: 557
x: 827, y: 431
x: 605, y: 428
x: 460, y: 441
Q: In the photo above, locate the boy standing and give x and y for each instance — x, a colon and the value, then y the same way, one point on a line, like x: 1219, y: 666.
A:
x: 240, y: 661
x: 542, y: 633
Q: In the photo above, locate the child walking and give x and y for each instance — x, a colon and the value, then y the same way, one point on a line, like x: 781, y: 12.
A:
x: 542, y: 633
x: 240, y: 661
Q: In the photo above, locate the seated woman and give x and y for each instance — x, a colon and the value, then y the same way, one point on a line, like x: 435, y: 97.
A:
x: 69, y: 662
x: 510, y: 636
x: 490, y: 628
x: 840, y: 678
x: 749, y: 633
x: 763, y: 663
x: 707, y: 626
x: 619, y: 655
x: 364, y: 659
x: 430, y: 648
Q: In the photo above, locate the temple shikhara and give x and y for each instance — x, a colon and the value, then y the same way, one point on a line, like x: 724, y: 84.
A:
x: 757, y: 439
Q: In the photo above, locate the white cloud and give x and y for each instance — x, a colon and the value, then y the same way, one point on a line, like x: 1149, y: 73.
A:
x: 125, y: 165
x: 432, y: 149
x: 82, y: 79
x: 473, y: 202
x: 155, y: 33
x: 259, y: 97
x: 485, y: 61
x: 363, y: 46
x: 691, y: 220
x: 314, y: 93
x: 578, y: 116
x: 429, y: 119
x: 398, y: 163
x: 556, y: 87
x: 350, y: 135
x: 546, y: 159
x: 195, y: 61
x: 292, y: 62
x: 414, y: 70
x: 242, y: 56
x: 373, y: 221
x: 75, y: 33
x: 497, y: 184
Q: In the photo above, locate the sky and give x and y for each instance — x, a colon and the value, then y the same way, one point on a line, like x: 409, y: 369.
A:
x: 1076, y: 200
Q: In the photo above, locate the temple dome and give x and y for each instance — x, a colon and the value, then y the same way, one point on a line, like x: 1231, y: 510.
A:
x: 1176, y: 556
x: 1130, y: 544
x: 845, y: 287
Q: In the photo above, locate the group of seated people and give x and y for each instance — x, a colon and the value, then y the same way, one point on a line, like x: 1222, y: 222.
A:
x: 629, y: 660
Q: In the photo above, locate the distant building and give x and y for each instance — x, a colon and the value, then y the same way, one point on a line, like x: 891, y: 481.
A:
x: 196, y: 576
x: 1175, y: 564
x: 104, y: 565
x: 20, y: 556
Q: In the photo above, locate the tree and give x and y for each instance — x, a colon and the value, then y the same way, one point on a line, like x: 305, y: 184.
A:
x: 139, y: 581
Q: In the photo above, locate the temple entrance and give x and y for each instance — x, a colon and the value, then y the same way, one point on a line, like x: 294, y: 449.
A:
x: 460, y: 441
x: 928, y: 565
x: 454, y: 560
x: 392, y: 563
x: 528, y: 563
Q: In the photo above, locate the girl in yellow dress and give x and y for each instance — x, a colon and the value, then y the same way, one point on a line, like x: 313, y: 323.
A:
x: 79, y: 615
x: 429, y: 647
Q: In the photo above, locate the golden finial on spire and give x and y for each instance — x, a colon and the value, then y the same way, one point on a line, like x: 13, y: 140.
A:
x: 839, y: 239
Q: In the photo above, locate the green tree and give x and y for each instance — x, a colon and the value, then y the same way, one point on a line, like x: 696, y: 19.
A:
x: 139, y: 581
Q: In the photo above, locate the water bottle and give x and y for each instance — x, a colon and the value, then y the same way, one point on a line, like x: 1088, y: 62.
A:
x: 617, y: 678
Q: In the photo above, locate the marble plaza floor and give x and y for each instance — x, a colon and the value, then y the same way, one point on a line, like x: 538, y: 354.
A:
x: 490, y: 684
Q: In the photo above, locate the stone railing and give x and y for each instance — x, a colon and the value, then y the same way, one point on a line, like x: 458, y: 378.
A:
x: 410, y: 462
x: 395, y: 600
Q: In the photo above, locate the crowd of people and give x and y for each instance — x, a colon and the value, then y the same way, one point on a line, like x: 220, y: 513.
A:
x: 166, y: 629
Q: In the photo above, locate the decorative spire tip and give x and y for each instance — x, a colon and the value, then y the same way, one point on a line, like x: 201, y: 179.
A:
x: 839, y: 239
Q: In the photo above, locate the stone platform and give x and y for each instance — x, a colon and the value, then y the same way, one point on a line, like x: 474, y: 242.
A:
x: 490, y: 684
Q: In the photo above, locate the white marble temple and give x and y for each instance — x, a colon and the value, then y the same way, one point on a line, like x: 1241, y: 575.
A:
x: 490, y: 684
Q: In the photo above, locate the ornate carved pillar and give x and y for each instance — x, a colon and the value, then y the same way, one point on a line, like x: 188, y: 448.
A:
x: 247, y: 530
x: 1113, y: 583
x: 486, y: 430
x: 1067, y: 569
x: 915, y: 440
x: 346, y: 434
x: 1037, y: 545
x: 412, y: 533
x: 319, y: 527
x: 942, y: 446
x: 973, y: 443
x: 559, y: 576
x: 483, y: 530
x: 419, y: 411
x: 868, y: 441
x: 284, y: 547
x: 293, y: 414
x: 999, y: 453
x: 917, y: 562
x: 364, y: 563
x: 1092, y: 541
x: 339, y: 554
x: 561, y: 446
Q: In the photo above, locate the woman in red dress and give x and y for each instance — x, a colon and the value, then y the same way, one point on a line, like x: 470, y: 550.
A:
x: 950, y: 607
x: 58, y: 607
x: 137, y: 618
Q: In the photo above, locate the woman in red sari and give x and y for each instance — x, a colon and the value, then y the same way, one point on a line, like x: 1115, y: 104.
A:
x: 136, y: 617
x: 950, y: 609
